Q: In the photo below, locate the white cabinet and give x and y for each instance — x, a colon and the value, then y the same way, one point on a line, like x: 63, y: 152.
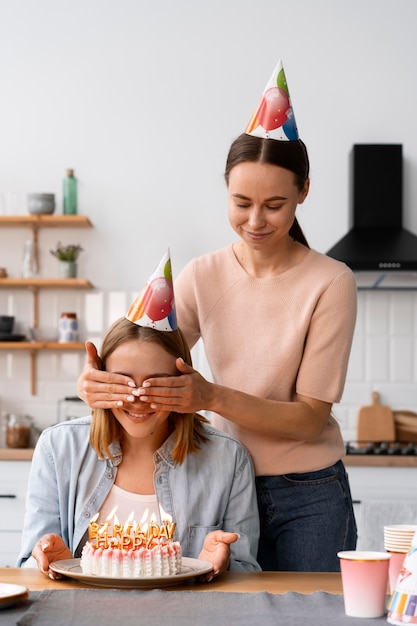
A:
x: 13, y: 485
x: 382, y: 483
x: 382, y: 496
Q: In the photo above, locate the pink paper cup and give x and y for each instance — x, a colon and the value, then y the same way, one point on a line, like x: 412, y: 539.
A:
x: 364, y: 582
x: 395, y: 565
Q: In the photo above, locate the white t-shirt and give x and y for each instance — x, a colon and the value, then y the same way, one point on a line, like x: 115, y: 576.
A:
x: 128, y: 503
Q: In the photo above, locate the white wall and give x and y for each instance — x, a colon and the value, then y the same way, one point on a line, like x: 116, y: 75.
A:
x: 143, y: 99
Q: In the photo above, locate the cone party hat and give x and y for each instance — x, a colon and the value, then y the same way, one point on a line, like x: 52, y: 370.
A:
x: 402, y: 605
x: 274, y: 118
x: 154, y: 307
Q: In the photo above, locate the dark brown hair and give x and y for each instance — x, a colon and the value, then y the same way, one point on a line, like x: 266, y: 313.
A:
x: 291, y: 155
x: 188, y: 426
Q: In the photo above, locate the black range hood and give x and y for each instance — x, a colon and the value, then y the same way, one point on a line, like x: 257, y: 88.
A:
x: 377, y: 240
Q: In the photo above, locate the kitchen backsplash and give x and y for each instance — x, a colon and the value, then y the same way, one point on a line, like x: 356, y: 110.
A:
x: 383, y: 358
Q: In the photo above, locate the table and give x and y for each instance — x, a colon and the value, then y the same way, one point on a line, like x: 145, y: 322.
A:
x: 273, y: 582
x: 234, y: 598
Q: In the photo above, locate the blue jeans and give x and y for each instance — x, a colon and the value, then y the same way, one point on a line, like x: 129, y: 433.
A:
x: 305, y: 520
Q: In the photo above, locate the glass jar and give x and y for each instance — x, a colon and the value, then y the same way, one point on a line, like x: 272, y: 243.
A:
x: 68, y: 328
x: 29, y: 264
x: 17, y: 431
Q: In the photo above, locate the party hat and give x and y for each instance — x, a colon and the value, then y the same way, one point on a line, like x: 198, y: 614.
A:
x: 402, y: 605
x: 274, y: 116
x: 155, y: 305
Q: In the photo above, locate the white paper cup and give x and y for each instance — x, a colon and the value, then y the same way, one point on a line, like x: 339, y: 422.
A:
x: 398, y: 538
x: 364, y: 582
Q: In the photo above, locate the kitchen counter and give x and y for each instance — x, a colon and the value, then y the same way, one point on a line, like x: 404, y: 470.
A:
x: 350, y: 460
x: 382, y: 460
x: 16, y: 454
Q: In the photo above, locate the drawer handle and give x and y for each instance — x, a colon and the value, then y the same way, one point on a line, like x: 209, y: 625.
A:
x: 7, y: 495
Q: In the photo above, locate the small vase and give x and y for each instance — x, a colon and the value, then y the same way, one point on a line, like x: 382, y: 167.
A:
x: 67, y: 269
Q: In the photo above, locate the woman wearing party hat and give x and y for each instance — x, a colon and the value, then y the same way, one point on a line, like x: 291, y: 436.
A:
x: 137, y: 458
x: 277, y: 321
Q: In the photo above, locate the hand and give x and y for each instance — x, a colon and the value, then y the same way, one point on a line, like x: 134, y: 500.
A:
x: 216, y: 550
x: 100, y: 389
x: 50, y: 548
x: 182, y: 394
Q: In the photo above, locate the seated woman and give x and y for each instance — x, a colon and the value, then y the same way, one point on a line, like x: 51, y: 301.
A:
x: 138, y: 457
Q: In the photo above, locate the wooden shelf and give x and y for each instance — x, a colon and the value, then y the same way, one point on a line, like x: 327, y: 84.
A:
x: 36, y: 222
x: 36, y: 284
x: 45, y: 221
x: 45, y: 283
x: 33, y: 347
x: 41, y: 345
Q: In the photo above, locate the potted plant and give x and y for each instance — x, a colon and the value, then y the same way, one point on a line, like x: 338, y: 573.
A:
x: 67, y: 257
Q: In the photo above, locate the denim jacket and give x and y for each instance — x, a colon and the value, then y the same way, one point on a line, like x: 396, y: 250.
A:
x: 213, y: 489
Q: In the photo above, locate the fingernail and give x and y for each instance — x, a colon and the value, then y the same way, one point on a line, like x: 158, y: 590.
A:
x: 131, y: 384
x: 145, y: 384
x: 45, y: 546
x: 143, y: 398
x: 119, y: 403
x: 130, y: 398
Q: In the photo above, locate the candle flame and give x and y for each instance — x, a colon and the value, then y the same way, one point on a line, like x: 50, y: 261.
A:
x: 165, y: 517
x: 148, y: 531
x: 111, y: 514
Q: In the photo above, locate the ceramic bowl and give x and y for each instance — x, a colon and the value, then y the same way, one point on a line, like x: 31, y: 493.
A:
x: 41, y: 203
x: 6, y: 324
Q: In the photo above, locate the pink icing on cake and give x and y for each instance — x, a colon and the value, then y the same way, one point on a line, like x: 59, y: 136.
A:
x: 159, y: 560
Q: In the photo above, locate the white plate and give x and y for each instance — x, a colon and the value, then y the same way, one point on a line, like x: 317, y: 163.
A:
x: 9, y: 594
x: 189, y: 569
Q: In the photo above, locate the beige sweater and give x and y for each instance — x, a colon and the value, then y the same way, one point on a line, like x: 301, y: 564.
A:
x: 273, y: 338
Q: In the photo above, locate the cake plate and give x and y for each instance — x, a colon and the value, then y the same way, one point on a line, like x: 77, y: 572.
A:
x: 189, y: 569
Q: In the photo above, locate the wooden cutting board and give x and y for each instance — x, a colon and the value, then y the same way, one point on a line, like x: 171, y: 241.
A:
x: 375, y: 422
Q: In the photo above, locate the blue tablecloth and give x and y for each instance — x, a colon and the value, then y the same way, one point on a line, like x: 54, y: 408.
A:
x: 90, y: 607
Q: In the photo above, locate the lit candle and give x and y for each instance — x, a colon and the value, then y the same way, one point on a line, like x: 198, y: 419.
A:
x: 130, y: 534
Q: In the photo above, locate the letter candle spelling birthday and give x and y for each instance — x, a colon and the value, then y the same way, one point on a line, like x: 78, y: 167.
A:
x: 130, y: 535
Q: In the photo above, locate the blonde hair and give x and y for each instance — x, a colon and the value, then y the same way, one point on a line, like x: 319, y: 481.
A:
x: 188, y: 426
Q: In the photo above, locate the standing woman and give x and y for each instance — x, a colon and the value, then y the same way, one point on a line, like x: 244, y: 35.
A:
x: 277, y: 321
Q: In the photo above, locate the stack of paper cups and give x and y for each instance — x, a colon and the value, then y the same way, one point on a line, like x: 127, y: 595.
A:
x: 397, y: 540
x: 402, y: 605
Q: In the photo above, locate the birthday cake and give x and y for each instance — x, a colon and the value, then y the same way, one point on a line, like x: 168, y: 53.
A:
x: 127, y: 551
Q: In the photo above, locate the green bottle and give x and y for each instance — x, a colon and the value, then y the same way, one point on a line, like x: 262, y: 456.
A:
x: 70, y: 193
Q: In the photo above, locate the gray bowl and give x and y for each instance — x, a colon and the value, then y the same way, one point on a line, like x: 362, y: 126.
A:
x: 6, y: 324
x: 41, y: 203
